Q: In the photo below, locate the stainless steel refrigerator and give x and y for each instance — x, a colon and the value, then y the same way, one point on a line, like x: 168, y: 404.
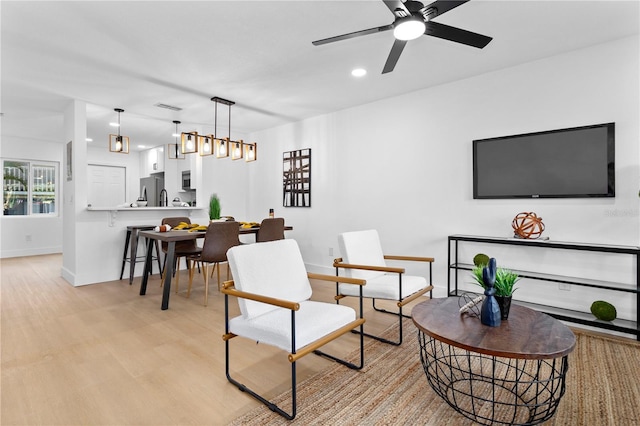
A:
x: 151, y: 187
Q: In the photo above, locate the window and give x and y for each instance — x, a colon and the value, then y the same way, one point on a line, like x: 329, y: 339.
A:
x: 29, y: 188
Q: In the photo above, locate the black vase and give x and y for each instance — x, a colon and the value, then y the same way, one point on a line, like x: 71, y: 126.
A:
x: 504, y: 302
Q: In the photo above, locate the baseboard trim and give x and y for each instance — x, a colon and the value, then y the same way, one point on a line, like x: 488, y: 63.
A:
x: 29, y: 252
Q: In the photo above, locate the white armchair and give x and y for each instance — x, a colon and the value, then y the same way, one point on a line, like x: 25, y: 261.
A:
x: 273, y: 291
x: 363, y: 258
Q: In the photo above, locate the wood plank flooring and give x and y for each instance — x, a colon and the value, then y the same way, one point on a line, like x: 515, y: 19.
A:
x: 104, y: 355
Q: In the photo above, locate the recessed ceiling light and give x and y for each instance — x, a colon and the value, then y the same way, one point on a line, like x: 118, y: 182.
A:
x: 141, y: 146
x: 359, y: 72
x: 89, y: 140
x: 114, y: 125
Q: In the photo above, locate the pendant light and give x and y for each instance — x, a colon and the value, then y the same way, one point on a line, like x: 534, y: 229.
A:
x: 236, y: 150
x: 189, y: 142
x: 175, y: 151
x: 206, y: 145
x: 117, y: 143
x: 222, y: 147
x: 250, y: 152
x: 207, y: 142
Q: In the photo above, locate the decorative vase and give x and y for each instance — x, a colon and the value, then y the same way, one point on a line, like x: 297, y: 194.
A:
x: 490, y: 311
x: 504, y: 302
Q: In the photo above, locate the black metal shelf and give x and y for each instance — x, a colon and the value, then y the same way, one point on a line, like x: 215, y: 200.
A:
x: 583, y: 282
x: 619, y: 325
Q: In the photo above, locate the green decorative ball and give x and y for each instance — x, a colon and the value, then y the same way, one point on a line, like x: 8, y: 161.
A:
x: 604, y: 311
x: 480, y: 259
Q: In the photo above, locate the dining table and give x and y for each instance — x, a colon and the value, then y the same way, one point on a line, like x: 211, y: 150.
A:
x: 171, y: 237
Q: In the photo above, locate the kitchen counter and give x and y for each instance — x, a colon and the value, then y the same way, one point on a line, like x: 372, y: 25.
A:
x: 113, y: 211
x: 142, y: 208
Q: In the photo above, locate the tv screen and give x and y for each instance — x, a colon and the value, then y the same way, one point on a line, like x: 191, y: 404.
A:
x: 576, y: 163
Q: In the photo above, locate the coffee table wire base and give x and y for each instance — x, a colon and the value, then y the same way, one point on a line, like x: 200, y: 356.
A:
x: 494, y: 390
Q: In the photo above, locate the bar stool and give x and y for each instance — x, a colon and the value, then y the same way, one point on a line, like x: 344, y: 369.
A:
x: 132, y: 256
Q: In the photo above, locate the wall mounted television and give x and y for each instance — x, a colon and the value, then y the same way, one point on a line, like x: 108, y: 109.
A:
x: 577, y: 162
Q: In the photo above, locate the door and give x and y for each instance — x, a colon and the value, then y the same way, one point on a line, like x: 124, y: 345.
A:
x: 107, y: 185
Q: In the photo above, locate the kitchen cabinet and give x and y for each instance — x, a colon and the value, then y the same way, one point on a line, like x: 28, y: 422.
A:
x: 152, y: 161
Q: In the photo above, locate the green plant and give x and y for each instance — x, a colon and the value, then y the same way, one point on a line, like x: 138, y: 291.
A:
x: 214, y: 207
x: 476, y: 273
x: 505, y: 280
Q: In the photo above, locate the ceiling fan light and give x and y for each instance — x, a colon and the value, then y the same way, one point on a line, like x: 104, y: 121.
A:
x: 409, y: 28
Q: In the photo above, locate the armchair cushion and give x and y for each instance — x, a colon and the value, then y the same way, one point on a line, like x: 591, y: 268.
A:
x: 313, y: 321
x: 274, y: 269
x: 386, y: 287
x: 362, y: 248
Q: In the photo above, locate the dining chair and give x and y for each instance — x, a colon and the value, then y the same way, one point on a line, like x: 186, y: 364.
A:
x: 220, y: 237
x: 362, y: 257
x: 182, y: 248
x: 271, y: 229
x: 273, y: 291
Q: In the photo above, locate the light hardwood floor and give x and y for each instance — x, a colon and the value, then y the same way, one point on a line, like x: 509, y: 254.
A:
x: 104, y: 355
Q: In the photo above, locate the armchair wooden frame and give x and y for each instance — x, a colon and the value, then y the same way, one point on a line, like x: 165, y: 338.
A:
x: 337, y: 263
x: 229, y: 290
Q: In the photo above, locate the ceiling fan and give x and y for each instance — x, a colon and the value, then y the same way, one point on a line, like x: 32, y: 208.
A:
x: 413, y: 19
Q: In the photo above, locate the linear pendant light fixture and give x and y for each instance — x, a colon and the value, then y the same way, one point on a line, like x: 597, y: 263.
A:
x: 175, y: 149
x: 225, y: 147
x: 192, y: 142
x: 117, y: 143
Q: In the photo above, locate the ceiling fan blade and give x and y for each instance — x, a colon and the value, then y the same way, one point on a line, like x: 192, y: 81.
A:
x: 394, y: 55
x: 352, y: 35
x: 443, y: 6
x: 394, y: 5
x: 457, y: 35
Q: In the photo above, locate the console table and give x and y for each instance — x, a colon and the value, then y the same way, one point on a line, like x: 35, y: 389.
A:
x: 513, y: 374
x: 624, y: 326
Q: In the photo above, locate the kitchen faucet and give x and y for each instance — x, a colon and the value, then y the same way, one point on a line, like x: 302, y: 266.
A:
x: 164, y: 199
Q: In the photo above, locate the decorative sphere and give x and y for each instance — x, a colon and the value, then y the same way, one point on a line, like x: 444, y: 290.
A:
x: 527, y: 225
x: 480, y: 259
x: 604, y: 311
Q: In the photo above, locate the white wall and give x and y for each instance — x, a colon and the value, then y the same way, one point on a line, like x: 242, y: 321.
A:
x: 403, y: 165
x: 45, y: 232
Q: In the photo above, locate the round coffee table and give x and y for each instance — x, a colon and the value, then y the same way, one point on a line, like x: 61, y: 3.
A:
x: 511, y: 374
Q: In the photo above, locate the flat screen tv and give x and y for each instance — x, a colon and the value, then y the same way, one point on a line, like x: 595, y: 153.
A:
x: 571, y: 163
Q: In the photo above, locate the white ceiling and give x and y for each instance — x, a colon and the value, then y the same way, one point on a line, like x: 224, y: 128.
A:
x: 135, y: 54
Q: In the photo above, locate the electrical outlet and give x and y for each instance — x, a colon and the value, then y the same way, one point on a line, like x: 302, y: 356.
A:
x: 564, y: 287
x: 331, y: 251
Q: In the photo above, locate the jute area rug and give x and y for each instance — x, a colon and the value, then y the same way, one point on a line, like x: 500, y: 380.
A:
x: 603, y: 388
